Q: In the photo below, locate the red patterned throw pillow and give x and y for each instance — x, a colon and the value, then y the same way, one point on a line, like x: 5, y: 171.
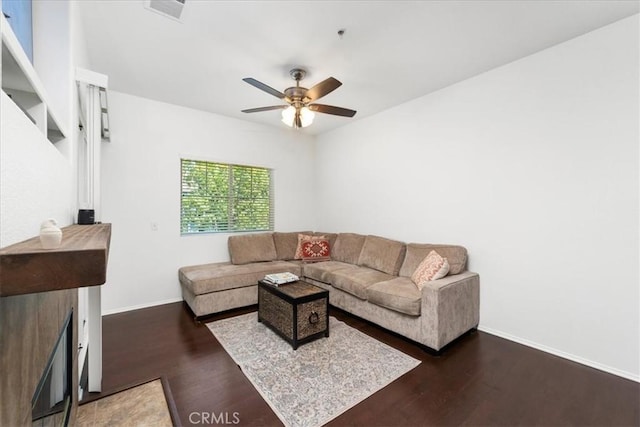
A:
x: 433, y: 267
x: 302, y: 239
x: 316, y: 250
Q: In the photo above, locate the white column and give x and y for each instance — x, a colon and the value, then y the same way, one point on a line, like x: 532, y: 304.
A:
x: 89, y: 196
x: 95, y: 339
x: 95, y: 308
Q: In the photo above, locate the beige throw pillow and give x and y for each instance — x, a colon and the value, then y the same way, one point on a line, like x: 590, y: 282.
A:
x: 433, y: 267
x: 302, y: 239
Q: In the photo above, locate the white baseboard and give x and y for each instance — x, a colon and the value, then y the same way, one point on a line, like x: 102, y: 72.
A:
x: 555, y: 352
x: 138, y: 307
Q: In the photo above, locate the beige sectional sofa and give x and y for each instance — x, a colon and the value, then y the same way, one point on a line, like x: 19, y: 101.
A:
x: 368, y: 276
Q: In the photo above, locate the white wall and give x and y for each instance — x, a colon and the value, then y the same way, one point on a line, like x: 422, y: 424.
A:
x: 35, y: 178
x: 534, y: 168
x: 52, y: 54
x: 141, y: 186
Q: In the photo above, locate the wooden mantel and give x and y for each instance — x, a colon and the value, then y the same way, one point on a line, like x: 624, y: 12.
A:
x: 81, y: 260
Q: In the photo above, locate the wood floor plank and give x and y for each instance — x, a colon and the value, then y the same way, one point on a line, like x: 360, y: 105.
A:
x: 479, y: 380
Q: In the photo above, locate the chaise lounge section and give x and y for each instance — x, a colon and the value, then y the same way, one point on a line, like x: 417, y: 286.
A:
x: 368, y: 276
x: 212, y: 288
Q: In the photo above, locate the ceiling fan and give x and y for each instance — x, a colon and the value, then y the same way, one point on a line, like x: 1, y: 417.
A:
x: 299, y: 111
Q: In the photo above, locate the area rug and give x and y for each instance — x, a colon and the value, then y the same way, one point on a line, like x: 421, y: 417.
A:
x: 320, y: 380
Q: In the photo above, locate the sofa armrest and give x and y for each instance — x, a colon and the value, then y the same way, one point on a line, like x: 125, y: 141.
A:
x: 450, y: 307
x: 449, y: 280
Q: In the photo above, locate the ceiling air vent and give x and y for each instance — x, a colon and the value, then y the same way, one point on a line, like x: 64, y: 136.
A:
x: 171, y: 8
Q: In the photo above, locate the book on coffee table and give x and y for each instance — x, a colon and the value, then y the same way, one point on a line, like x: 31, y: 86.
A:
x: 281, y: 278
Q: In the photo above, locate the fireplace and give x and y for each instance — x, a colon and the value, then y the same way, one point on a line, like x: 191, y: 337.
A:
x: 39, y: 291
x: 51, y: 403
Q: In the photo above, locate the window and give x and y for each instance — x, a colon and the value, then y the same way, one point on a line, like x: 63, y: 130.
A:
x: 18, y: 14
x: 218, y: 197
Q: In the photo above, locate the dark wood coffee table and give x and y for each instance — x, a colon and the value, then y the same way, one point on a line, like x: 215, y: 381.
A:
x: 297, y: 311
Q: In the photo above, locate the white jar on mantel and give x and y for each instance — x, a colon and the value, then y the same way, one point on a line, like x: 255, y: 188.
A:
x: 50, y: 234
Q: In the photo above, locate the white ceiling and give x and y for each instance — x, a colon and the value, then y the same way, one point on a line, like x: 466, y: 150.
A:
x: 391, y: 52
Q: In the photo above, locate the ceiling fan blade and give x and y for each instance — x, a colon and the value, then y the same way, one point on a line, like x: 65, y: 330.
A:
x: 255, y: 83
x: 330, y: 109
x: 323, y: 88
x: 259, y: 109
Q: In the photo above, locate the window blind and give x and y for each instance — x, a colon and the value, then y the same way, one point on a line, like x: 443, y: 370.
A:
x: 219, y: 197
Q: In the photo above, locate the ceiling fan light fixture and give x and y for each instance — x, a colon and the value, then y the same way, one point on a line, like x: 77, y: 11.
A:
x: 306, y: 116
x: 289, y: 116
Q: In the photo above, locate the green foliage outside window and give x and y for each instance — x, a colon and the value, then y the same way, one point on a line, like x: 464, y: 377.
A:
x: 218, y: 197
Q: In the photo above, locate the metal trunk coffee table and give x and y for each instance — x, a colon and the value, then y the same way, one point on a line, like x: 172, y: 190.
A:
x: 297, y: 311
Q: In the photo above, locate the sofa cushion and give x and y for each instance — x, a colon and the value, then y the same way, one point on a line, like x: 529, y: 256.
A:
x: 220, y: 276
x: 286, y: 244
x: 355, y: 280
x: 252, y: 248
x: 398, y: 294
x: 382, y: 254
x: 331, y: 237
x: 320, y: 270
x: 416, y: 252
x: 433, y: 267
x: 348, y: 247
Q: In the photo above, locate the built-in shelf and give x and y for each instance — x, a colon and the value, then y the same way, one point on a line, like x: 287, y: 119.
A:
x: 21, y: 82
x: 80, y: 261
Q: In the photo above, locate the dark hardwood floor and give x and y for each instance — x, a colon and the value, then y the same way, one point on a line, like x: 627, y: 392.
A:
x: 480, y: 380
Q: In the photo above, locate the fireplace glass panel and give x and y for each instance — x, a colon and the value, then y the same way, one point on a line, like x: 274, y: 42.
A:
x: 51, y: 403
